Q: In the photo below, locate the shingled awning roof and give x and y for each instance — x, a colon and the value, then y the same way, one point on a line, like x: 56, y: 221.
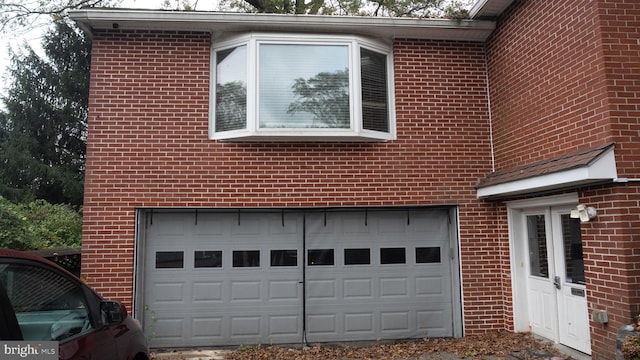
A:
x: 583, y: 167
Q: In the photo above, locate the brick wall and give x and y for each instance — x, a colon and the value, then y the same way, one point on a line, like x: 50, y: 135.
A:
x: 548, y: 87
x: 565, y: 75
x: 148, y: 147
x: 619, y: 21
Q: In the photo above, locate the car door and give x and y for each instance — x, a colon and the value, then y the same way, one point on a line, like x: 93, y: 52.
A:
x: 51, y: 305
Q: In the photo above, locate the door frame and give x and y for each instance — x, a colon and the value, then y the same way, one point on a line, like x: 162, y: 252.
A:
x: 518, y: 251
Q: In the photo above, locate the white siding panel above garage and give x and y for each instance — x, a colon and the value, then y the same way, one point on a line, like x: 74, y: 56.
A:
x: 277, y: 276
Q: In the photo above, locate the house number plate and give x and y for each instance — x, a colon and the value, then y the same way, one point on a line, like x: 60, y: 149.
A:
x: 577, y: 292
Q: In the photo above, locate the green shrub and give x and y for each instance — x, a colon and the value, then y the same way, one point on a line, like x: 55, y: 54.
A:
x: 38, y: 225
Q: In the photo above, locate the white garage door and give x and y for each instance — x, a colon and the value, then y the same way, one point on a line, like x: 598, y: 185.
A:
x: 229, y: 278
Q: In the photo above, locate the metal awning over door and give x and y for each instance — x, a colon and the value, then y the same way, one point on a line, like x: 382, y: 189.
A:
x: 247, y: 277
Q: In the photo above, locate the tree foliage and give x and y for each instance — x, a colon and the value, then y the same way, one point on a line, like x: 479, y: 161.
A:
x: 43, y: 129
x: 17, y: 15
x: 398, y: 8
x: 38, y: 225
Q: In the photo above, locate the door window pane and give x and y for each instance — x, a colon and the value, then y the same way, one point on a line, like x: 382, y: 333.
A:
x: 320, y: 257
x: 537, y: 237
x: 284, y: 257
x: 572, y: 241
x: 207, y: 259
x: 169, y: 260
x: 357, y: 256
x: 246, y: 258
x: 393, y: 256
x: 427, y: 255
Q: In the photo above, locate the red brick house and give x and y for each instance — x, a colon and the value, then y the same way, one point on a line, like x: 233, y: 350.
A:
x: 267, y: 178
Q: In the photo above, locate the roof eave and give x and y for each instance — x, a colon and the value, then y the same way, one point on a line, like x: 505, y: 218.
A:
x: 488, y: 9
x: 601, y: 170
x: 218, y: 22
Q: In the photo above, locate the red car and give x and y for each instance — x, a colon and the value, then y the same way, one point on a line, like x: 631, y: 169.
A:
x: 42, y: 302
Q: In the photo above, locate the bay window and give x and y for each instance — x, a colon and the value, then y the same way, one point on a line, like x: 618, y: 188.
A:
x: 297, y: 88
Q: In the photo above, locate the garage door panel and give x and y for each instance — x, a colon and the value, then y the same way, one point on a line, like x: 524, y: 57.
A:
x: 246, y: 326
x: 431, y: 286
x: 433, y: 322
x: 394, y: 287
x: 394, y: 321
x: 170, y: 293
x: 246, y: 291
x: 358, y: 289
x: 230, y: 278
x: 169, y: 328
x: 320, y: 324
x: 284, y: 291
x: 380, y: 291
x: 207, y: 292
x: 360, y: 323
x: 206, y: 327
x: 209, y: 225
x: 321, y: 289
x: 284, y: 325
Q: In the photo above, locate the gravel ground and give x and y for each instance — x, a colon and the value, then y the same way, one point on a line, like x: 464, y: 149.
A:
x: 492, y: 346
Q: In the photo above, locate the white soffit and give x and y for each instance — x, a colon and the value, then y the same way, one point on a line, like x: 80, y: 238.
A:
x: 218, y: 22
x: 601, y: 169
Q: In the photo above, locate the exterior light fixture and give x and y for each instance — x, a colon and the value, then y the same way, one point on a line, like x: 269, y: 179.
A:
x: 584, y: 213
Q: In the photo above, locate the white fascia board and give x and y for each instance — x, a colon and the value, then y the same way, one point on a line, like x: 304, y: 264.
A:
x: 218, y: 22
x: 488, y: 8
x: 601, y: 169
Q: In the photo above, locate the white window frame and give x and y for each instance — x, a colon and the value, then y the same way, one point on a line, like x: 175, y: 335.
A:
x: 253, y: 132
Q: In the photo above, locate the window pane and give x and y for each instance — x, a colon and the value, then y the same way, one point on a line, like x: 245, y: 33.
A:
x: 392, y: 256
x: 169, y: 260
x: 374, y: 90
x: 246, y: 258
x: 357, y: 257
x: 320, y: 257
x: 427, y: 255
x: 303, y: 86
x: 284, y: 257
x: 48, y: 305
x: 574, y: 264
x: 207, y: 259
x: 231, y: 89
x: 536, y: 233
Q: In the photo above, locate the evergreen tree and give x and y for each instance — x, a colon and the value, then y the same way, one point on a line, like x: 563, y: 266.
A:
x: 43, y: 129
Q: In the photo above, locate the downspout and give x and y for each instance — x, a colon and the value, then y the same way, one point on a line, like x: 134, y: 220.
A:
x: 486, y: 74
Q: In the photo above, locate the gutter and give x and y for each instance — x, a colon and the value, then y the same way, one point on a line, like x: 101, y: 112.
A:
x: 387, y: 28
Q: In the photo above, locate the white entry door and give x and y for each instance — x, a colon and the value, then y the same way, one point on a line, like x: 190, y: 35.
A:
x: 556, y: 294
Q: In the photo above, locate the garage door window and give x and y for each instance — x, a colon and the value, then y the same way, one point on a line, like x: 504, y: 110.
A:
x: 169, y: 260
x: 357, y: 256
x: 207, y: 259
x: 427, y: 255
x: 284, y: 257
x: 393, y: 256
x: 320, y: 257
x: 246, y: 258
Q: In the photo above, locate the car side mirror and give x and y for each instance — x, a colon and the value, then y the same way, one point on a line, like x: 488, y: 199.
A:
x: 113, y: 312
